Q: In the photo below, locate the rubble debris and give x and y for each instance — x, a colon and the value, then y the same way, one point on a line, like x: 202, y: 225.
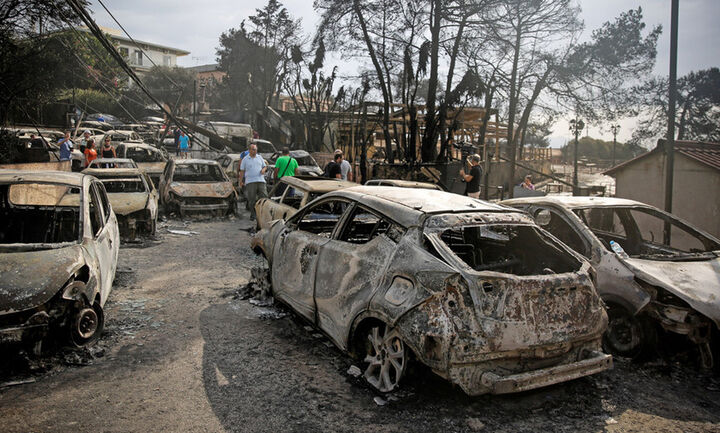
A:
x: 258, y: 288
x: 182, y: 232
x: 475, y: 424
x: 354, y: 371
x: 380, y: 401
x: 610, y: 421
x: 17, y: 382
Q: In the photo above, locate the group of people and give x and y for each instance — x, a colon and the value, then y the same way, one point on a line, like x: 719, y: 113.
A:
x: 473, y: 176
x: 86, y: 146
x: 252, y: 170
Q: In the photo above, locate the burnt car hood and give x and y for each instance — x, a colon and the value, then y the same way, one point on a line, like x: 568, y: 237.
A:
x: 124, y: 203
x: 695, y: 282
x: 309, y: 169
x: 152, y: 167
x: 31, y: 278
x: 213, y: 190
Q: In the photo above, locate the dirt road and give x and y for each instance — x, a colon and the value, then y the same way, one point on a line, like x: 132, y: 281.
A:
x: 181, y: 354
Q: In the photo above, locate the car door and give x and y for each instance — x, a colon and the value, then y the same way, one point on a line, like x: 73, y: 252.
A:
x: 351, y: 267
x: 103, y: 241
x: 165, y: 180
x: 296, y: 252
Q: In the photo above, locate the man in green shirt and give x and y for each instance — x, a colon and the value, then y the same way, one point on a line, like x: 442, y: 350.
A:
x: 285, y: 165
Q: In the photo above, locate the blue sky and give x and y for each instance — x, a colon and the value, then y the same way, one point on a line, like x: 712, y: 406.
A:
x: 196, y: 26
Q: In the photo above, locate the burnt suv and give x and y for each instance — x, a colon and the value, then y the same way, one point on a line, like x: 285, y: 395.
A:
x: 476, y: 291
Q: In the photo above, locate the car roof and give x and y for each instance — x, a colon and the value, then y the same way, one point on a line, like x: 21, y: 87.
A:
x: 574, y: 202
x: 322, y: 184
x: 406, y: 183
x: 138, y: 144
x: 59, y: 177
x: 102, y: 172
x: 195, y: 161
x: 408, y: 206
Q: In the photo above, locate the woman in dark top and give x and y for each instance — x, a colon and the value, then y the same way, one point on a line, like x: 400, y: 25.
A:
x: 108, y: 152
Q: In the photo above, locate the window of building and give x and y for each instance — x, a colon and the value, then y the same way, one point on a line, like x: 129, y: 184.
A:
x: 138, y: 57
x: 166, y: 61
x: 124, y: 52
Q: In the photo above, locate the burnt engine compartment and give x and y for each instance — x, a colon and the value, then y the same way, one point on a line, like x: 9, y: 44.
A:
x: 513, y: 249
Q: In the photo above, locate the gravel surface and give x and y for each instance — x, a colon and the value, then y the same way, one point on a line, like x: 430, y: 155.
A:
x: 183, y: 353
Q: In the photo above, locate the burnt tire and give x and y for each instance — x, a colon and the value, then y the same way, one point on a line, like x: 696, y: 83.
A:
x: 385, y: 357
x: 87, y: 325
x: 630, y: 336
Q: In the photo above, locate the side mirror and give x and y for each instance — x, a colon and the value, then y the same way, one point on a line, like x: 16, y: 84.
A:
x: 542, y: 218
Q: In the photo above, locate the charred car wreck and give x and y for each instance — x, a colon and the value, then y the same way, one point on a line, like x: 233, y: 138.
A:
x: 133, y: 198
x: 58, y: 256
x: 654, y: 271
x: 476, y: 291
x: 196, y: 185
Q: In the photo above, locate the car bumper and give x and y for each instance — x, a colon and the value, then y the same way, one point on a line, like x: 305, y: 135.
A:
x: 32, y: 328
x: 204, y: 207
x: 475, y: 381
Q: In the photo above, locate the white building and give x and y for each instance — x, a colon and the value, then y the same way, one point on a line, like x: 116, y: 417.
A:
x: 139, y: 56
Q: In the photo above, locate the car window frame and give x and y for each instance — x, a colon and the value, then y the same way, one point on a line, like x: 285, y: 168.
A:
x: 566, y: 216
x: 347, y: 220
x: 292, y: 223
x: 93, y: 197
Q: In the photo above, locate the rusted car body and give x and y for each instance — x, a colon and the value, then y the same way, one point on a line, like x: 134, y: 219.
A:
x: 651, y: 281
x: 292, y: 193
x: 230, y: 164
x: 133, y: 197
x: 58, y: 255
x: 196, y: 185
x: 112, y: 163
x: 148, y: 158
x: 402, y: 183
x: 476, y: 291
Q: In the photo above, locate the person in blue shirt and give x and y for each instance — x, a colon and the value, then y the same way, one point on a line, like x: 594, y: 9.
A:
x: 252, y: 175
x: 184, y: 144
x: 66, y: 147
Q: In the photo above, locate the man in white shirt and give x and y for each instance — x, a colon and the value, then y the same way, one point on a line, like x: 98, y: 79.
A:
x: 252, y: 175
x: 345, y: 167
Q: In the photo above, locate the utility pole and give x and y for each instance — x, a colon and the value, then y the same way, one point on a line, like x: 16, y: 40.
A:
x: 614, y: 128
x: 576, y: 126
x: 670, y: 142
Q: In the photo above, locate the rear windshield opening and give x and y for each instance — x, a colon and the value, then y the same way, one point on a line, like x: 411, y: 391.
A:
x: 198, y: 173
x: 39, y: 213
x: 519, y: 250
x: 119, y: 185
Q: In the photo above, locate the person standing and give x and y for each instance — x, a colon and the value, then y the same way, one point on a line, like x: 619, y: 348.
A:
x: 184, y: 144
x: 333, y: 170
x: 252, y: 175
x: 84, y: 140
x: 527, y: 183
x: 345, y: 167
x: 90, y: 152
x: 66, y: 147
x: 472, y: 179
x: 285, y: 165
x: 108, y: 152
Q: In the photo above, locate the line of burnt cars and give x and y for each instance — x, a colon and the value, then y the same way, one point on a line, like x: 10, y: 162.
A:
x: 494, y: 298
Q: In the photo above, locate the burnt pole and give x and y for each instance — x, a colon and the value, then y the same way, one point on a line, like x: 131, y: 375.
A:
x: 576, y: 126
x: 194, y: 111
x: 614, y: 129
x: 670, y: 142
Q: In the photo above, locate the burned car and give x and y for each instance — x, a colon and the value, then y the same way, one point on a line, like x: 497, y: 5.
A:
x: 58, y: 255
x: 196, y: 185
x: 133, y: 198
x: 230, y: 164
x: 475, y: 291
x: 112, y: 163
x: 647, y: 277
x: 150, y: 159
x: 307, y: 166
x: 291, y: 193
x: 402, y: 183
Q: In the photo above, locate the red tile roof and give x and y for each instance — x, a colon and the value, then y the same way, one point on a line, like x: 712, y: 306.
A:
x: 700, y: 151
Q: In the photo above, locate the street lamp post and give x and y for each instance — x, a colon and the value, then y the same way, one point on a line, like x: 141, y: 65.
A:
x: 576, y: 126
x: 614, y: 129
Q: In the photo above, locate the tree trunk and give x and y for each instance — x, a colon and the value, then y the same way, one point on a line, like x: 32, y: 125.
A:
x: 513, y: 107
x: 429, y: 144
x: 381, y: 78
x: 448, y: 88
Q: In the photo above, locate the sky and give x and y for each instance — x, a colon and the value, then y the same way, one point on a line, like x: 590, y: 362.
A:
x: 196, y: 26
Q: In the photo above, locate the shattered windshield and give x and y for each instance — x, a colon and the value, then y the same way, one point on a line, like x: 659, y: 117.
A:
x: 198, y: 173
x: 641, y: 232
x: 306, y: 160
x: 512, y: 249
x: 120, y: 184
x: 35, y: 213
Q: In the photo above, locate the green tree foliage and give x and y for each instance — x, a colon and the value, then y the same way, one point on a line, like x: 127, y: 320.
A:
x: 594, y: 150
x: 257, y: 58
x: 698, y: 108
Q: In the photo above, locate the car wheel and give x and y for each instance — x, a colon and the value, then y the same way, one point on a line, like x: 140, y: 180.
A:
x: 385, y: 358
x: 87, y: 325
x: 627, y: 335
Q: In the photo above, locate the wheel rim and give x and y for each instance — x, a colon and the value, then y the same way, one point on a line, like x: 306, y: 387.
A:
x: 624, y: 332
x: 86, y: 324
x: 386, y: 359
